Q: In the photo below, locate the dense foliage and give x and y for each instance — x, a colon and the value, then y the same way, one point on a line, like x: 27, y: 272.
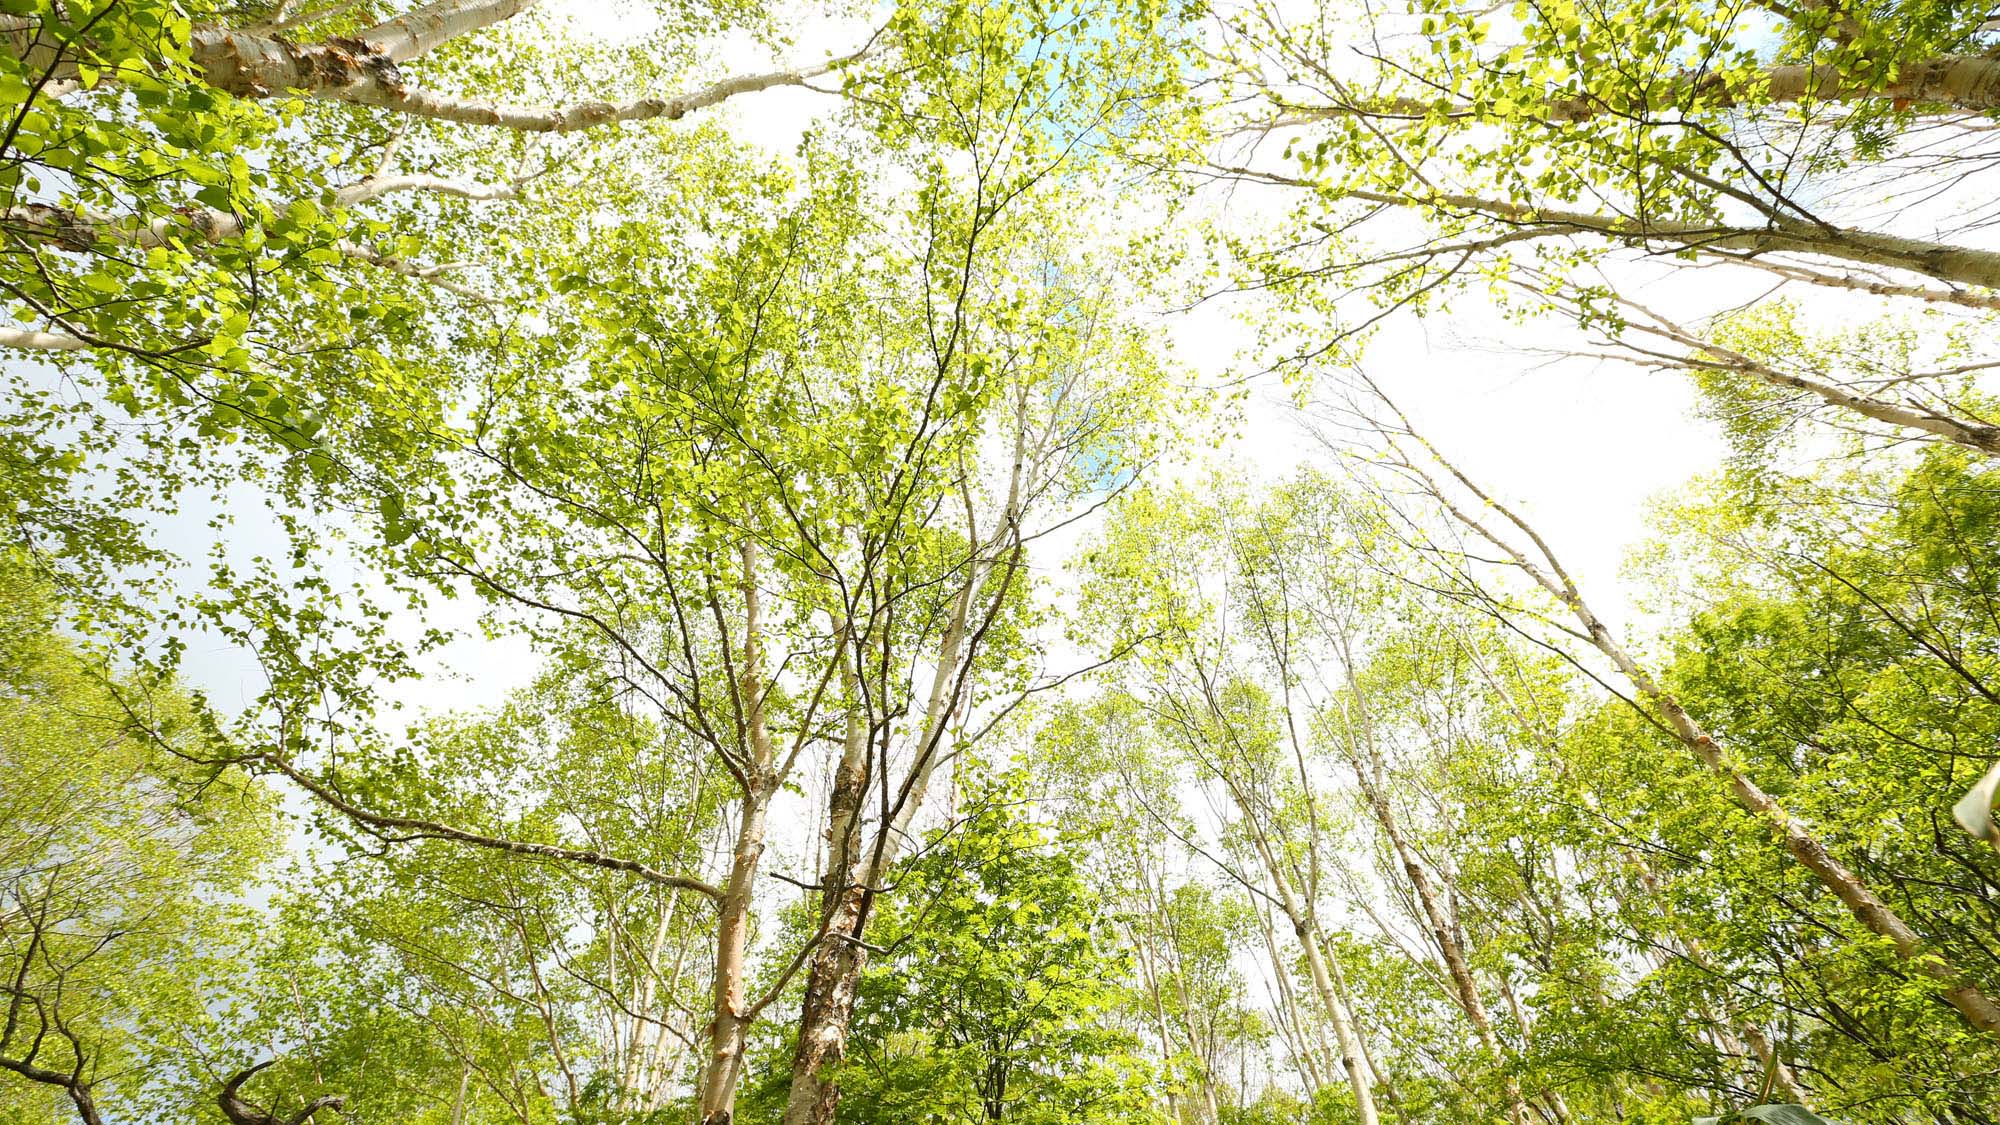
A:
x: 635, y: 563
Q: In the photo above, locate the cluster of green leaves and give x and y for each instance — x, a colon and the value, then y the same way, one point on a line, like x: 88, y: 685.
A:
x: 124, y: 935
x: 191, y: 236
x: 1930, y: 360
x: 1633, y: 929
x: 999, y: 995
x: 1837, y: 641
x: 748, y: 449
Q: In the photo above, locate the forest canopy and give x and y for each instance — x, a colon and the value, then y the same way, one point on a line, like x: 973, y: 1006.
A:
x: 1113, y: 562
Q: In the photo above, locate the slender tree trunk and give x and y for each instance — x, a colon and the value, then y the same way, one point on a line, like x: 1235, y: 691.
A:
x: 1785, y: 1079
x: 730, y: 1022
x: 1370, y: 771
x: 1202, y: 1047
x: 1381, y: 1078
x: 1943, y: 261
x: 458, y: 1099
x: 1288, y: 1011
x: 1963, y: 82
x: 1307, y: 931
x: 1306, y: 928
x: 1150, y: 977
x: 644, y: 1030
x: 1960, y: 429
x: 1459, y: 970
x: 1343, y: 1025
x: 1798, y: 840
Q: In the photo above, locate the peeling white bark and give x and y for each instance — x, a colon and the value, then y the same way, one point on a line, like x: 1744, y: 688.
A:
x: 361, y: 72
x: 41, y: 341
x: 375, y: 187
x: 427, y: 28
x: 80, y: 232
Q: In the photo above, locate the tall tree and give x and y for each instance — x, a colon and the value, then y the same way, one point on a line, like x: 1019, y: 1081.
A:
x: 997, y: 999
x: 1528, y: 553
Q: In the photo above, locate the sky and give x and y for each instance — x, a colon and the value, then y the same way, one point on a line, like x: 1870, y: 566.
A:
x: 1580, y: 445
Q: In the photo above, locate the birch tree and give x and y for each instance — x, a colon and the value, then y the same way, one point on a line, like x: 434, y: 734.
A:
x: 1506, y: 531
x: 157, y: 152
x: 1690, y: 128
x: 1561, y: 160
x: 1156, y: 576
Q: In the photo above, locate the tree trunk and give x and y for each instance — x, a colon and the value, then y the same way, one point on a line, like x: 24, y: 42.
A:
x: 1150, y: 976
x: 1343, y: 1025
x: 250, y: 65
x: 1874, y: 915
x: 1307, y: 931
x: 852, y: 873
x: 1288, y: 1012
x: 1948, y: 262
x: 852, y: 870
x: 432, y: 26
x: 831, y: 984
x: 1368, y: 769
x: 732, y: 1017
x: 1306, y: 927
x: 1960, y: 82
x: 730, y: 1022
x: 834, y: 973
x: 1380, y: 1078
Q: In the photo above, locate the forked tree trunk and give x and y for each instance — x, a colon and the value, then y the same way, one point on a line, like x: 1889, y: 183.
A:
x: 855, y: 866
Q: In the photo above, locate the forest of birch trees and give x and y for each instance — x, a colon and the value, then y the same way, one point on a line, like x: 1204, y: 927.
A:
x: 999, y: 562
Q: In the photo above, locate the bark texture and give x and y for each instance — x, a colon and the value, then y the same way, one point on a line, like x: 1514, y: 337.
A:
x: 364, y: 72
